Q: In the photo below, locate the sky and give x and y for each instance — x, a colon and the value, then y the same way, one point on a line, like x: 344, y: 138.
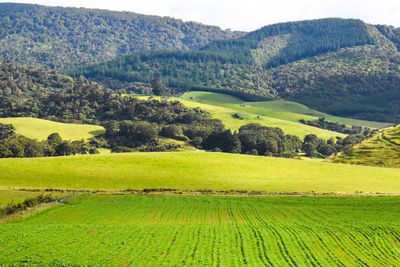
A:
x: 247, y: 15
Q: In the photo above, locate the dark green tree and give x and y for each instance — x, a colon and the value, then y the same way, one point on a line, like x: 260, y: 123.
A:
x: 158, y: 87
x: 309, y: 149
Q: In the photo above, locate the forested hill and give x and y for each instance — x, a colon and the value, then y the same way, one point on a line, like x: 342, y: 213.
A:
x: 57, y: 37
x: 341, y: 66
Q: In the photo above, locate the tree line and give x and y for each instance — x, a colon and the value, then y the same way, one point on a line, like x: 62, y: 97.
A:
x: 337, y: 127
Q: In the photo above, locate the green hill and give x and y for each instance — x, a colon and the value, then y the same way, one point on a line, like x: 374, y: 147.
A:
x: 58, y: 37
x: 40, y: 129
x: 340, y: 66
x: 383, y: 150
x: 189, y: 171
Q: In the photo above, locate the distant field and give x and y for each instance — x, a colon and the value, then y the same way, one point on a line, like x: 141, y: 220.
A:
x: 225, y: 113
x: 109, y: 230
x: 194, y: 171
x: 279, y: 109
x: 41, y: 129
x: 280, y: 113
x: 383, y: 150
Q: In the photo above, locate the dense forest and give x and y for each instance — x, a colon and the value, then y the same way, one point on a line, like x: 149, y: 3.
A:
x: 57, y: 37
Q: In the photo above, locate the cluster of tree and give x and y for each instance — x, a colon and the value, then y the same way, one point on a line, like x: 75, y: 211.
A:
x: 127, y: 135
x: 337, y: 127
x: 13, y: 145
x: 58, y: 37
x: 252, y: 139
x: 312, y: 145
x: 256, y: 139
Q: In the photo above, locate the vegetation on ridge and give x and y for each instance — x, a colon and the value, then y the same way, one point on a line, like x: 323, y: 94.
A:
x: 58, y: 37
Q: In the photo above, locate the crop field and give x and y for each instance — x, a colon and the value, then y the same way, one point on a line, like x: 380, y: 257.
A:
x: 194, y: 171
x: 41, y: 129
x: 140, y: 230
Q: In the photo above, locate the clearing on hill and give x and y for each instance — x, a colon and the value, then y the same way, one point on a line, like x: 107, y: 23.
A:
x: 40, y: 129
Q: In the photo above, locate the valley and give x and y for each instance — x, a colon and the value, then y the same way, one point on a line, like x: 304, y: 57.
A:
x: 138, y: 140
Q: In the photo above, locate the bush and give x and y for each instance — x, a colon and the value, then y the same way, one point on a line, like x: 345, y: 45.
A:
x: 172, y: 131
x: 94, y: 150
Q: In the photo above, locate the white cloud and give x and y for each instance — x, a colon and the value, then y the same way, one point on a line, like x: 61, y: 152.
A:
x: 249, y: 14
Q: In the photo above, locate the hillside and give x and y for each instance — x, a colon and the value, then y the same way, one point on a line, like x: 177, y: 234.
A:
x: 57, y: 37
x: 340, y: 66
x: 383, y: 149
x: 195, y: 171
x: 40, y: 129
x: 277, y: 109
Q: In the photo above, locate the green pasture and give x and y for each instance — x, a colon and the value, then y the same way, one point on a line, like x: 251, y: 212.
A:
x: 154, y: 230
x: 278, y: 109
x: 194, y: 171
x: 40, y: 129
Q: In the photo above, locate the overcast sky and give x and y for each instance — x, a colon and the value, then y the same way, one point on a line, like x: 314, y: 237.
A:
x: 247, y: 14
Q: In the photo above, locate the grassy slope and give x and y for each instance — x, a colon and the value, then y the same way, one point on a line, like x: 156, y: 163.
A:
x: 280, y: 113
x: 278, y: 109
x: 383, y: 149
x: 41, y: 129
x: 194, y: 171
x: 207, y: 231
x: 224, y: 112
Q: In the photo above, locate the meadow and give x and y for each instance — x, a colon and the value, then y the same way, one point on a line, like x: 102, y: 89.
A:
x: 275, y: 109
x: 40, y: 129
x: 277, y: 113
x: 140, y: 230
x: 194, y: 171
